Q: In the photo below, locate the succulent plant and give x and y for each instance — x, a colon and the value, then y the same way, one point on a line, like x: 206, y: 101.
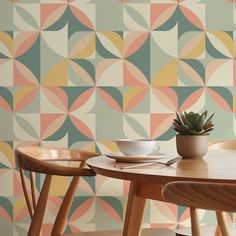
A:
x: 191, y: 123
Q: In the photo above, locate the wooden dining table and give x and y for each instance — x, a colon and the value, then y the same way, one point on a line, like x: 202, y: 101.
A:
x: 146, y: 182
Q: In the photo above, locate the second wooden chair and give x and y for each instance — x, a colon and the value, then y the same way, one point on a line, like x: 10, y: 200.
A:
x: 211, y: 196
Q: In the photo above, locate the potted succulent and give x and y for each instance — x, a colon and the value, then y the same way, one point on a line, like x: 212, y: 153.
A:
x: 192, y: 133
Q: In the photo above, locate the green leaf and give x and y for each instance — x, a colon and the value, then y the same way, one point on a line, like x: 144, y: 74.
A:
x: 208, y: 121
x: 177, y: 121
x: 192, y: 123
x: 205, y: 114
x: 200, y: 123
x: 179, y: 118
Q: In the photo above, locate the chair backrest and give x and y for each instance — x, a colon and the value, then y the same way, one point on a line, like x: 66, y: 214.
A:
x: 43, y: 160
x: 229, y: 144
x: 212, y: 196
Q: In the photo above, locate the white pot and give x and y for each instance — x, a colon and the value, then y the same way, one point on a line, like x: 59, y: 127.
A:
x: 192, y: 146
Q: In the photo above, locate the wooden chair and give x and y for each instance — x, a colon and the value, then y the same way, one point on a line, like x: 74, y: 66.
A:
x: 223, y: 145
x: 230, y: 144
x: 40, y: 160
x: 211, y: 196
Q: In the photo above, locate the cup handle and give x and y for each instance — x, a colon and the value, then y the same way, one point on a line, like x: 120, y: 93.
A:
x: 156, y: 148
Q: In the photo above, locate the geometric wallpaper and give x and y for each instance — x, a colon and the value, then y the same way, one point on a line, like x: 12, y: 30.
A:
x: 82, y: 73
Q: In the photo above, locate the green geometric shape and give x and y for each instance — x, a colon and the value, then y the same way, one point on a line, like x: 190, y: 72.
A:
x: 115, y: 93
x: 73, y: 93
x: 183, y: 23
x: 158, y: 58
x: 26, y: 126
x: 136, y: 16
x: 77, y: 201
x: 6, y: 225
x: 33, y: 106
x: 168, y: 135
x: 103, y: 219
x: 115, y: 203
x: 225, y: 93
x: 26, y: 16
x: 223, y: 119
x: 184, y: 92
x: 7, y: 95
x: 219, y: 15
x: 68, y: 128
x: 31, y: 58
x: 102, y: 51
x: 109, y: 122
x: 141, y: 58
x: 212, y: 51
x: 109, y: 15
x: 197, y: 66
x: 6, y: 127
x: 88, y: 66
x: 6, y: 16
x: 74, y: 25
x: 136, y: 126
x: 10, y: 34
x: 48, y: 57
x: 181, y: 210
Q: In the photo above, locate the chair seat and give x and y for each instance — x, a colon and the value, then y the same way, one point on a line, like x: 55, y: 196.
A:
x: 145, y: 232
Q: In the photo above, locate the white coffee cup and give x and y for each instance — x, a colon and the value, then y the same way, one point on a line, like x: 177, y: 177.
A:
x: 137, y: 147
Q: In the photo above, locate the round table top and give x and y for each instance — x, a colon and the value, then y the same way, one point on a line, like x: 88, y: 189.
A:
x: 217, y: 165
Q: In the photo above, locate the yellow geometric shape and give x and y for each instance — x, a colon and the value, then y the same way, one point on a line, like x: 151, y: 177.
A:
x: 167, y: 75
x: 59, y: 186
x: 195, y: 47
x: 57, y: 75
x: 85, y: 47
x: 112, y: 41
x: 7, y: 152
x: 234, y: 102
x: 6, y: 44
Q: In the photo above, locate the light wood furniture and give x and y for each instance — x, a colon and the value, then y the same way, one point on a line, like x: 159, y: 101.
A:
x: 229, y: 144
x: 218, y: 166
x: 220, y: 197
x: 146, y: 232
x: 221, y: 219
x: 42, y: 160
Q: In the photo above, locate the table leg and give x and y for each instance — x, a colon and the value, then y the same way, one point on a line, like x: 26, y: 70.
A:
x: 134, y: 212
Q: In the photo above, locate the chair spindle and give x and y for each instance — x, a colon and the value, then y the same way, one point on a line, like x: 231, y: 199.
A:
x: 32, y: 186
x: 22, y: 176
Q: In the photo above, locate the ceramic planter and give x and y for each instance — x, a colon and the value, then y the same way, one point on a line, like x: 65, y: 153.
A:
x: 192, y: 146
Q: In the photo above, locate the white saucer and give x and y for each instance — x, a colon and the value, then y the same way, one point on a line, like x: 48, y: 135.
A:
x: 119, y: 156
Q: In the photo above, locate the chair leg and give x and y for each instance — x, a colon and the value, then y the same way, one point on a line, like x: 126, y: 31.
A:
x: 194, y: 222
x: 63, y: 212
x: 36, y: 224
x: 222, y: 223
x: 61, y: 218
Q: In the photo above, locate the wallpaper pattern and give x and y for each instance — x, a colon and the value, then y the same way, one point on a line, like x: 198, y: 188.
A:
x: 81, y: 73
